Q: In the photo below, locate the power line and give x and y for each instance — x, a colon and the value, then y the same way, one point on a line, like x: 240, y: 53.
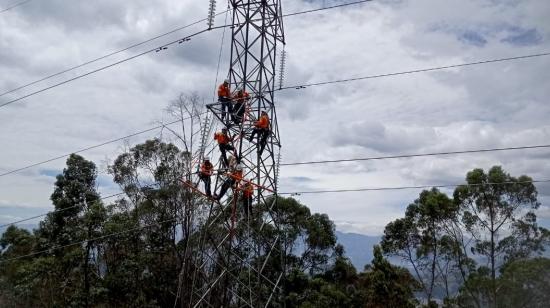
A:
x: 90, y: 240
x: 408, y: 187
x: 55, y: 211
x: 284, y: 164
x: 303, y: 86
x: 359, y: 189
x: 156, y: 49
x: 68, y: 208
x: 14, y: 6
x: 135, y: 56
x: 417, y: 155
x: 91, y: 147
x: 288, y: 193
x: 326, y: 8
x: 106, y: 56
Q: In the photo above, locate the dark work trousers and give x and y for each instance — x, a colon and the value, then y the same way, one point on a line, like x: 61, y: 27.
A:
x: 223, y: 149
x: 225, y: 186
x: 238, y: 113
x: 247, y: 204
x: 226, y: 105
x: 206, y: 179
x: 263, y: 133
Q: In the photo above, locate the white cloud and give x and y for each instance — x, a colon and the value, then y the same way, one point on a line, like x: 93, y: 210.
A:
x: 493, y: 105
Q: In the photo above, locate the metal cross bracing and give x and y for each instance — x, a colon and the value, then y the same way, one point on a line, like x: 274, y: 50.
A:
x: 238, y: 259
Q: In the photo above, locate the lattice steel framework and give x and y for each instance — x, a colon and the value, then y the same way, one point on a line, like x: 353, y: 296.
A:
x: 237, y: 267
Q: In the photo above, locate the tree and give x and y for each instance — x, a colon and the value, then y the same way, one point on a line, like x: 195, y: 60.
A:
x: 14, y: 286
x: 491, y: 204
x: 420, y: 239
x: 77, y: 217
x: 385, y: 285
x: 63, y: 275
x: 522, y: 283
x: 150, y: 174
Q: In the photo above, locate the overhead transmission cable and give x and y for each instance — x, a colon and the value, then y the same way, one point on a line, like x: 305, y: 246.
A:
x: 14, y: 6
x: 105, y: 56
x: 55, y: 211
x: 90, y: 240
x: 285, y: 164
x: 286, y: 193
x: 437, y: 68
x: 409, y: 187
x: 93, y: 147
x: 416, y: 155
x: 156, y: 49
x: 133, y: 57
x: 326, y: 8
x: 362, y: 159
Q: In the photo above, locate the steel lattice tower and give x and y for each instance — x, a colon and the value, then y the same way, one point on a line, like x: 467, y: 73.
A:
x: 232, y: 269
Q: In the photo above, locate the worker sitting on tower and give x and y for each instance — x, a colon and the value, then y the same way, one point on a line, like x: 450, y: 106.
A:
x: 248, y: 193
x: 239, y: 106
x: 261, y: 127
x: 232, y: 178
x: 205, y: 172
x: 224, y: 144
x: 224, y: 97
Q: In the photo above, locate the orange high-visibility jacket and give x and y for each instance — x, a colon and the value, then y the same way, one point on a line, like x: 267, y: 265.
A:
x: 206, y: 168
x: 263, y: 122
x: 221, y: 138
x: 248, y: 190
x: 223, y: 91
x: 237, y: 175
x: 240, y: 97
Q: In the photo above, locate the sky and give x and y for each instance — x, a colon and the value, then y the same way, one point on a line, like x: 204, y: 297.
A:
x: 485, y: 106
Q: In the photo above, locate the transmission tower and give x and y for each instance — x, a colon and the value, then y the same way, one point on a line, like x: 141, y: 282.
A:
x: 235, y: 265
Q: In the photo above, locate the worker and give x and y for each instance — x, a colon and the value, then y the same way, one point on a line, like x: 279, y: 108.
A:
x: 261, y: 127
x: 239, y: 105
x: 205, y: 173
x: 248, y: 193
x: 224, y: 97
x: 224, y: 144
x: 232, y: 178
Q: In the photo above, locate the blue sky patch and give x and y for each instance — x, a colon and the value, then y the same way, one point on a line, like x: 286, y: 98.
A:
x: 472, y: 38
x: 523, y: 37
x: 302, y: 179
x: 50, y: 172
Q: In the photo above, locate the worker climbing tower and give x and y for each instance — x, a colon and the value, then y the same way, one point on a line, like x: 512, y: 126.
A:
x: 240, y: 259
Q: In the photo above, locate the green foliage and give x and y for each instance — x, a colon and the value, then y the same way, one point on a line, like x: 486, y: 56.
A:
x: 385, y: 285
x: 151, y: 244
x: 420, y: 238
x: 495, y: 203
x: 380, y: 285
x: 522, y: 283
x: 439, y: 237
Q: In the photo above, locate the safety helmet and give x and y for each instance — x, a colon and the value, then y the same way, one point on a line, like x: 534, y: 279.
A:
x: 239, y: 89
x: 207, y: 158
x: 226, y: 81
x: 239, y: 167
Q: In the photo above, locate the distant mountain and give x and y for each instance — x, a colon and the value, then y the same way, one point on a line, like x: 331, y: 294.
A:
x: 28, y: 227
x: 359, y: 247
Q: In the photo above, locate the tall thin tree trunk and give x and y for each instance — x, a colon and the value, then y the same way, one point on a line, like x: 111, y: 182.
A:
x: 86, y: 276
x: 493, y: 273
